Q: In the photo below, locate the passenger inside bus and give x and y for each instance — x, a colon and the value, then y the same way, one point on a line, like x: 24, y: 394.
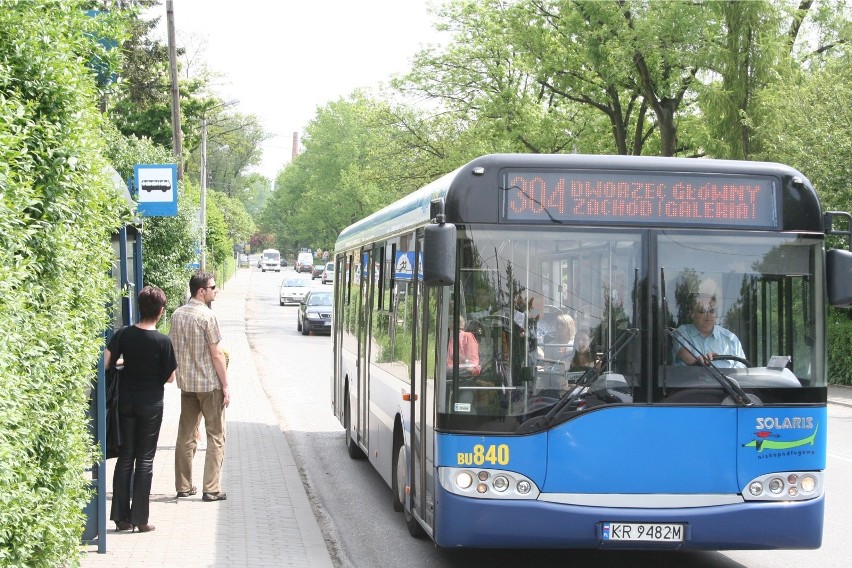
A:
x: 468, y: 351
x: 584, y: 357
x: 561, y: 346
x: 703, y: 341
x: 524, y: 336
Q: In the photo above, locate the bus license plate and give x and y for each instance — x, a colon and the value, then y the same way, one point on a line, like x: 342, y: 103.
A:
x: 649, y: 532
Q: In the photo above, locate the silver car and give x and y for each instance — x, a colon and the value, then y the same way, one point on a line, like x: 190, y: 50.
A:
x: 293, y: 290
x: 328, y: 273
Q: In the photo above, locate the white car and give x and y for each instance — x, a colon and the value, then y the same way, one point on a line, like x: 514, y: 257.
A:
x: 293, y: 290
x: 328, y: 273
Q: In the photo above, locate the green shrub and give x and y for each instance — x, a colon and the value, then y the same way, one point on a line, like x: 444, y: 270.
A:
x: 58, y: 211
x: 838, y: 339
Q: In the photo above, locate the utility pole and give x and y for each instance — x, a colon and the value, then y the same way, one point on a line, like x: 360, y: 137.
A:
x: 204, y: 192
x: 177, y: 144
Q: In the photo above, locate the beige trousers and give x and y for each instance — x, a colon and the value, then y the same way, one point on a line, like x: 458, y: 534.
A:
x: 194, y: 405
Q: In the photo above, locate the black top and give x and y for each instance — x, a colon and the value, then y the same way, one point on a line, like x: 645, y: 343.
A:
x: 149, y: 360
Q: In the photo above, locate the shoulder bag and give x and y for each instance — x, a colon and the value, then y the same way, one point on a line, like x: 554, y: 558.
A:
x: 113, y: 383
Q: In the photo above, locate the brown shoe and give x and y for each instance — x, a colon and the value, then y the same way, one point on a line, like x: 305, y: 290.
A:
x: 144, y: 528
x: 192, y: 491
x: 218, y: 496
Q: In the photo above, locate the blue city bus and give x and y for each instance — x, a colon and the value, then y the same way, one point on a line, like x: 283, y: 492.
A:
x: 508, y: 352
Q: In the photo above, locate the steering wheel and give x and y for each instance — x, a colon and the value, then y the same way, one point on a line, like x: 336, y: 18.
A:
x: 742, y: 360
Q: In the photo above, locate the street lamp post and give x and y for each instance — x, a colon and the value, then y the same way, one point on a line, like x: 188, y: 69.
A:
x: 203, y: 263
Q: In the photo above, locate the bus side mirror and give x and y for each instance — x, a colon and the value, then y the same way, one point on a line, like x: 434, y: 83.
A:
x: 439, y: 254
x: 838, y: 272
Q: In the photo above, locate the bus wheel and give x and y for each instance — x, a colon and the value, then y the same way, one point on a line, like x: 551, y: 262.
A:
x: 351, y: 447
x: 398, y: 489
x: 413, y: 526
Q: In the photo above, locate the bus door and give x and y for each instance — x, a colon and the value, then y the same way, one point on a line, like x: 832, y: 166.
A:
x: 361, y: 420
x: 341, y: 287
x: 427, y: 352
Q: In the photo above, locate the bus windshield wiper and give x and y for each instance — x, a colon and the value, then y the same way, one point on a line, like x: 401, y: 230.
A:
x: 730, y: 386
x: 587, y: 378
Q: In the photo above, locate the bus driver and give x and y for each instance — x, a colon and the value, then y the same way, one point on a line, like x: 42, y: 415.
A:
x: 712, y: 340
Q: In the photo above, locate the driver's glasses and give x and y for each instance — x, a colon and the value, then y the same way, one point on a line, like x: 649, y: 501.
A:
x: 705, y: 311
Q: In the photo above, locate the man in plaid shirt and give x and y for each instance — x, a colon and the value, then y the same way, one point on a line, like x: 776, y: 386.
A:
x: 202, y: 377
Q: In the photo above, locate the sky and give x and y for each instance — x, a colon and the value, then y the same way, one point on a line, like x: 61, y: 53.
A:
x: 282, y: 59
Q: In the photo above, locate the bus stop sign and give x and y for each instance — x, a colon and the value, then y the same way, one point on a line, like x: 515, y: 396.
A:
x: 156, y: 189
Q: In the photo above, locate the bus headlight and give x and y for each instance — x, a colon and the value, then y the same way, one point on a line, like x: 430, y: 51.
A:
x: 500, y: 483
x: 785, y: 486
x: 484, y: 483
x: 776, y: 485
x: 464, y: 479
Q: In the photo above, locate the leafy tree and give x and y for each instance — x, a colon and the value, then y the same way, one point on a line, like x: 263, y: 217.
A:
x: 58, y: 210
x: 255, y: 193
x: 239, y: 226
x: 807, y: 126
x: 481, y: 79
x: 360, y: 154
x: 557, y: 75
x: 219, y: 244
x: 142, y: 102
x: 234, y: 144
x: 323, y: 189
x: 542, y: 69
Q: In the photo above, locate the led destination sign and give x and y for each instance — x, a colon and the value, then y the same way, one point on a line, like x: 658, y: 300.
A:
x: 662, y: 198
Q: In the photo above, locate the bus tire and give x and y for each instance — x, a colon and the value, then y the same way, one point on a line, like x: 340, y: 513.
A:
x: 400, y: 475
x: 351, y: 447
x: 398, y: 493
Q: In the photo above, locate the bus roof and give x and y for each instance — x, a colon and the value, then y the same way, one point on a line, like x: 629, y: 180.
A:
x: 471, y: 196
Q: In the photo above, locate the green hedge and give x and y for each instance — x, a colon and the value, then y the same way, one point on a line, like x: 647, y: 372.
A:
x: 57, y: 213
x: 838, y: 339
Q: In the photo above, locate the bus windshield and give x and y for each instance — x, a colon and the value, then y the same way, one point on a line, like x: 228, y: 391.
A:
x: 540, y: 318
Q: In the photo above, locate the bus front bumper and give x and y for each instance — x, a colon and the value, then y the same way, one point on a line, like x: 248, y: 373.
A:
x: 484, y: 523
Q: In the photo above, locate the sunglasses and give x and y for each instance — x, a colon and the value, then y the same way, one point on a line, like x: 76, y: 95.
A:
x: 213, y: 287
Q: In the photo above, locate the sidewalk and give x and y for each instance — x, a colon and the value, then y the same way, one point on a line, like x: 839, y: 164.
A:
x: 840, y: 394
x: 267, y: 519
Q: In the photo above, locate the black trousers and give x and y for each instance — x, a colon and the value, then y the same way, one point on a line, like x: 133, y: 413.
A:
x: 134, y: 467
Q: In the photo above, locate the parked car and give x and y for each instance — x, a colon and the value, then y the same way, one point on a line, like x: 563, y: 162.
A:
x: 317, y: 271
x: 328, y: 273
x: 315, y: 312
x: 293, y: 290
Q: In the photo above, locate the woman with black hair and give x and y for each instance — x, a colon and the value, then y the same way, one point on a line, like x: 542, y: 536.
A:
x: 149, y: 363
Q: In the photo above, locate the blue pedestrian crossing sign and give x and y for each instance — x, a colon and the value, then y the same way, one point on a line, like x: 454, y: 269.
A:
x: 404, y: 267
x: 156, y: 189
